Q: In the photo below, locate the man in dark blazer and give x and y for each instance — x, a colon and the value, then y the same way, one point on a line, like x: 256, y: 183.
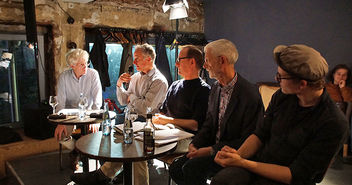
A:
x: 234, y: 109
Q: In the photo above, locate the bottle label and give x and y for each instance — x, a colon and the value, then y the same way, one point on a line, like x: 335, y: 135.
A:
x: 148, y: 142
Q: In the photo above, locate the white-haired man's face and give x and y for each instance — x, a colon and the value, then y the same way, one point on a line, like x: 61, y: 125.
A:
x: 212, y: 64
x: 80, y: 68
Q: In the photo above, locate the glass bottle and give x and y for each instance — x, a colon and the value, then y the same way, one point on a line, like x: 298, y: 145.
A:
x: 149, y: 135
x: 81, y: 107
x: 106, y: 124
x: 127, y: 131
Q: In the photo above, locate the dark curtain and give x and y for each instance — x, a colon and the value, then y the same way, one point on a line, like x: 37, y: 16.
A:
x: 126, y: 59
x: 100, y: 60
x: 161, y: 61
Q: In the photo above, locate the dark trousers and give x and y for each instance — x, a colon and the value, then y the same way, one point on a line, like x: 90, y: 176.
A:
x: 194, y: 171
x: 232, y: 176
x: 240, y: 176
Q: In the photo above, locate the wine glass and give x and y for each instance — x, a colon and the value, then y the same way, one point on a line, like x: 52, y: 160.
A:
x: 53, y: 102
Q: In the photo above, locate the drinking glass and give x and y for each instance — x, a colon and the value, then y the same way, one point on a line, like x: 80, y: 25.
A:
x: 83, y: 103
x: 133, y: 115
x: 53, y: 102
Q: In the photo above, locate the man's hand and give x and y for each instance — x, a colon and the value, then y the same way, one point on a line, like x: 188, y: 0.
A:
x: 161, y: 119
x: 205, y: 151
x: 342, y: 83
x: 125, y: 77
x: 94, y: 127
x: 59, y: 130
x: 228, y: 157
x: 191, y: 148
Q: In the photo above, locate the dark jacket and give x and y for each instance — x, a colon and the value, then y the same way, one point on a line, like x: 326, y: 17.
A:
x: 242, y: 114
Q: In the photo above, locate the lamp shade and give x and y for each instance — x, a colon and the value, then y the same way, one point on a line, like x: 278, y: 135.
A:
x: 178, y: 13
x: 178, y: 8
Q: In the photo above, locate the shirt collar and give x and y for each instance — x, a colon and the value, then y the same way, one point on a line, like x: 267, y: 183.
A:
x: 150, y: 73
x: 74, y: 75
x: 231, y: 84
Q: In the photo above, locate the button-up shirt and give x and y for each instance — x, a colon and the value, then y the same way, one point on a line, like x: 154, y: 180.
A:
x: 69, y: 89
x: 144, y: 90
x: 225, y: 96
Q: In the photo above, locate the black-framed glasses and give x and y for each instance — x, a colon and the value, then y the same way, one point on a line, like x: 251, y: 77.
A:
x: 179, y: 59
x: 278, y: 78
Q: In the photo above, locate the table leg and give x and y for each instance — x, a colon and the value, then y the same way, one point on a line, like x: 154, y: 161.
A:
x: 84, y: 159
x: 127, y: 173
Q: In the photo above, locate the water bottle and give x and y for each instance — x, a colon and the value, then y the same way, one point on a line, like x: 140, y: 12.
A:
x: 149, y: 136
x: 127, y: 131
x: 81, y: 106
x: 106, y: 124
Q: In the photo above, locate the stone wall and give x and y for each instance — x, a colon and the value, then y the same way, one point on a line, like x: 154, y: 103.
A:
x: 132, y: 14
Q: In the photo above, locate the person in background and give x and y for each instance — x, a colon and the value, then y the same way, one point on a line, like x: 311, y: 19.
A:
x: 339, y: 78
x: 234, y: 109
x: 186, y: 101
x: 301, y: 132
x: 147, y: 88
x: 79, y: 79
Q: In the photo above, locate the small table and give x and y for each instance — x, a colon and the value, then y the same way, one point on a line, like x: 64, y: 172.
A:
x: 73, y: 120
x: 111, y: 148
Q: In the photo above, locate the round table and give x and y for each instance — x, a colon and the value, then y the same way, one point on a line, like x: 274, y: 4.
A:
x: 111, y: 148
x: 74, y: 120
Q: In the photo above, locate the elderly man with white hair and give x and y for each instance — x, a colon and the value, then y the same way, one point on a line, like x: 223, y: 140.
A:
x: 72, y: 82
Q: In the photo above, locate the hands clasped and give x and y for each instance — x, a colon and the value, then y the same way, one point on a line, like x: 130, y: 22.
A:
x: 228, y: 157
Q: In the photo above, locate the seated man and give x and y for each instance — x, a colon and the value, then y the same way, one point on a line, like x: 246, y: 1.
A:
x: 147, y: 88
x: 187, y: 99
x: 234, y: 108
x: 79, y: 79
x: 301, y: 132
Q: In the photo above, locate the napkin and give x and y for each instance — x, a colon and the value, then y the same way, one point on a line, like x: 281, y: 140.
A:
x: 57, y: 116
x: 96, y: 115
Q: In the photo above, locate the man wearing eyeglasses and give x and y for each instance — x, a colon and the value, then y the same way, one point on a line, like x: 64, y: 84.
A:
x: 186, y: 101
x: 147, y: 88
x: 301, y: 132
x: 71, y: 83
x: 234, y: 109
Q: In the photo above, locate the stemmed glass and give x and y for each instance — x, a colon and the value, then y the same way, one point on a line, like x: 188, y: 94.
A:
x: 53, y: 102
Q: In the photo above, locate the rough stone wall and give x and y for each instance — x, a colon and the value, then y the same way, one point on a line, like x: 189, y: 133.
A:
x: 133, y: 14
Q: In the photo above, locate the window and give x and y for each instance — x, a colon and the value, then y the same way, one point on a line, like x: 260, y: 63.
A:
x: 19, y: 79
x: 114, y: 53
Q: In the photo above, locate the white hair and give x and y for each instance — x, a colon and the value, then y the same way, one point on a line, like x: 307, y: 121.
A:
x: 73, y: 56
x: 225, y: 48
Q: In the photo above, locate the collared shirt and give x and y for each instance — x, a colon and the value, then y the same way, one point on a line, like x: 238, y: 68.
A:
x: 225, y: 96
x: 69, y: 89
x: 144, y: 90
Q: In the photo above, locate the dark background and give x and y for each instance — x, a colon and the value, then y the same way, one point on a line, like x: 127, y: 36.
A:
x: 257, y: 26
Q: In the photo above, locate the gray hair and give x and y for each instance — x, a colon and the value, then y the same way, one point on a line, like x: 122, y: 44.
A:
x: 74, y: 55
x: 225, y: 48
x: 147, y: 50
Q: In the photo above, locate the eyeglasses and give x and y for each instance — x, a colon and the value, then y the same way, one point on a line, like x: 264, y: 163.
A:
x: 85, y: 64
x: 278, y: 78
x: 179, y: 59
